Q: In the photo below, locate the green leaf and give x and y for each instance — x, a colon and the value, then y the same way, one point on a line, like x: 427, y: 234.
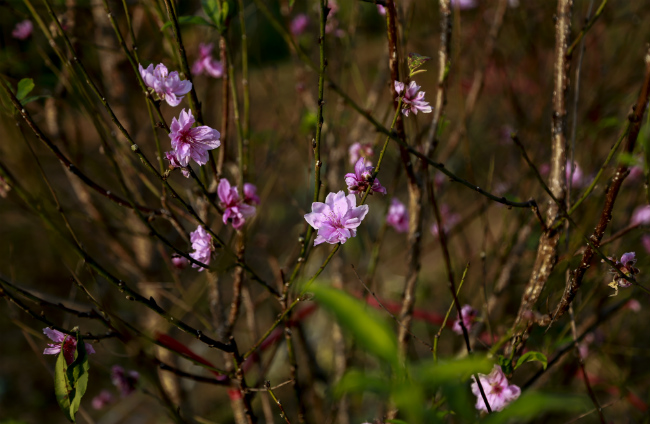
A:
x: 212, y: 8
x: 531, y: 405
x: 627, y: 159
x: 367, y: 328
x: 532, y: 356
x: 415, y: 61
x: 608, y: 123
x: 188, y: 20
x: 291, y: 3
x: 454, y: 371
x: 71, y: 382
x: 396, y: 422
x: 25, y: 85
x: 505, y: 364
x: 33, y: 98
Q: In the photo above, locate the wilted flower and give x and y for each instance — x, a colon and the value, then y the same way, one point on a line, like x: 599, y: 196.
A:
x: 125, y: 382
x: 179, y: 262
x: 359, y: 181
x: 448, y: 219
x: 626, y: 266
x: 641, y: 215
x: 397, y: 216
x: 469, y: 316
x: 413, y: 99
x: 235, y: 209
x: 103, y: 399
x: 206, y: 63
x: 299, y: 24
x: 69, y: 344
x: 173, y: 163
x: 337, y: 219
x: 168, y: 86
x: 189, y: 142
x: 202, y: 245
x: 358, y: 150
x: 250, y: 194
x: 23, y: 30
x: 497, y: 391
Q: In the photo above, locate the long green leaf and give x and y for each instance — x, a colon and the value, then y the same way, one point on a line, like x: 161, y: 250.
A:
x: 25, y: 86
x: 71, y: 382
x: 532, y: 356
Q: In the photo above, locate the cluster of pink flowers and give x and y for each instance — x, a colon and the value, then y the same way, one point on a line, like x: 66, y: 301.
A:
x: 337, y: 219
x: 206, y: 63
x: 189, y: 142
x: 358, y: 150
x: 299, y: 24
x: 497, y: 390
x: 202, y: 245
x: 469, y: 316
x: 448, y: 218
x: 413, y: 98
x: 397, y: 216
x: 65, y: 342
x: 361, y: 179
x: 23, y: 30
x: 167, y: 85
x: 237, y: 210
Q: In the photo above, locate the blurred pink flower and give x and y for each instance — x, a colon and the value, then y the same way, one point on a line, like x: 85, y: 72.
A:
x: 250, y: 194
x: 633, y: 305
x: 202, y: 245
x: 189, y: 142
x: 645, y: 240
x: 337, y: 219
x: 359, y: 181
x: 497, y: 391
x: 103, y: 399
x: 69, y: 344
x: 125, y: 382
x: 578, y: 179
x: 235, y: 210
x: 398, y: 216
x: 469, y: 316
x: 448, y: 219
x: 636, y: 172
x: 4, y: 188
x: 641, y: 215
x: 413, y: 99
x: 168, y: 86
x: 332, y: 25
x: 381, y: 10
x: 179, y: 262
x: 299, y: 24
x: 464, y: 4
x: 626, y: 266
x: 358, y: 150
x: 206, y: 64
x: 583, y: 347
x: 23, y: 30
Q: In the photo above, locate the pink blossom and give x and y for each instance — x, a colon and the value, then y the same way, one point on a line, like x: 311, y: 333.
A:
x: 235, y: 210
x: 179, y: 262
x: 626, y: 266
x: 206, y: 63
x: 469, y: 316
x: 23, y: 30
x: 413, y: 99
x: 173, y: 163
x: 189, y: 142
x: 578, y: 178
x: 4, y: 188
x: 202, y: 245
x: 332, y: 25
x: 250, y: 194
x: 497, y: 391
x: 69, y: 344
x: 168, y: 86
x: 448, y: 219
x: 359, y: 181
x: 641, y: 215
x: 633, y: 305
x: 397, y: 216
x: 299, y: 24
x: 636, y: 173
x: 358, y: 150
x: 381, y: 10
x: 125, y: 382
x: 464, y: 4
x: 337, y: 219
x: 103, y: 399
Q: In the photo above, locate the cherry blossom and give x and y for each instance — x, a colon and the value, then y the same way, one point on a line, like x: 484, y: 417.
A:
x: 206, y: 64
x: 167, y: 85
x: 236, y: 211
x: 189, y: 142
x: 23, y: 30
x: 337, y: 219
x: 413, y: 100
x: 469, y: 316
x: 359, y: 181
x: 398, y: 216
x: 497, y: 390
x: 202, y: 245
x: 358, y: 150
x: 69, y: 344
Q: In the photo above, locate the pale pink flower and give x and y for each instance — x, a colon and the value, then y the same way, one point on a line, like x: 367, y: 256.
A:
x: 299, y: 24
x: 413, y: 100
x: 578, y: 177
x: 626, y: 266
x: 103, y: 399
x: 633, y: 305
x: 206, y: 63
x: 636, y: 173
x: 125, y: 382
x: 448, y: 219
x: 337, y: 219
x: 4, y: 188
x: 464, y: 4
x: 469, y: 316
x: 202, y: 245
x: 173, y: 163
x: 332, y: 24
x: 359, y: 181
x: 398, y: 216
x: 23, y: 30
x: 189, y: 142
x: 69, y: 344
x: 168, y: 85
x: 179, y: 262
x: 381, y: 10
x: 497, y: 390
x: 641, y: 215
x: 358, y: 150
x: 250, y: 194
x: 235, y: 210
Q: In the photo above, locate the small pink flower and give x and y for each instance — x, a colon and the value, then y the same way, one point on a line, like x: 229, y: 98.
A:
x: 497, y: 391
x: 633, y: 305
x: 189, y: 142
x: 359, y: 181
x: 179, y: 262
x: 103, y: 399
x: 448, y: 219
x: 397, y: 216
x: 641, y: 215
x: 413, y: 99
x: 168, y: 86
x: 469, y: 316
x: 202, y: 245
x: 299, y: 24
x: 23, y: 30
x: 358, y: 150
x: 626, y: 266
x: 69, y: 344
x: 578, y: 178
x: 381, y: 10
x: 206, y: 63
x: 235, y: 210
x: 337, y: 219
x: 125, y: 382
x: 250, y: 194
x: 173, y: 163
